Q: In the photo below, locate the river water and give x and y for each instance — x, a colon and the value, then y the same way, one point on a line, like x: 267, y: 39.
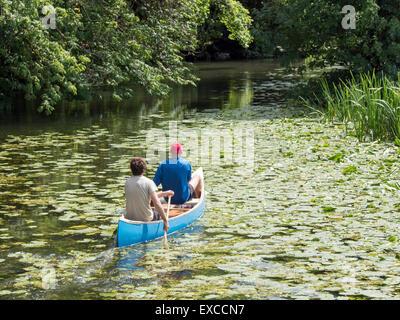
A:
x: 296, y: 209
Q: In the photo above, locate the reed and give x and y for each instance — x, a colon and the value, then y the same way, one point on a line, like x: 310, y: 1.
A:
x: 369, y: 105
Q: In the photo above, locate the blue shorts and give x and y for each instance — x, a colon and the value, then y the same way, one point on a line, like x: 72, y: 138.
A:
x: 156, y: 216
x: 191, y: 189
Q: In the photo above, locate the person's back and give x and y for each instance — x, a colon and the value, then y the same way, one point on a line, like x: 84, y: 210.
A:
x: 175, y: 174
x: 137, y: 192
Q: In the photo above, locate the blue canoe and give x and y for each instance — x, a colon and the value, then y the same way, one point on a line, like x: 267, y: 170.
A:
x: 132, y: 232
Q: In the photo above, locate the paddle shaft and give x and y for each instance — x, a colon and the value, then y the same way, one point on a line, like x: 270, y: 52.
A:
x: 165, y: 232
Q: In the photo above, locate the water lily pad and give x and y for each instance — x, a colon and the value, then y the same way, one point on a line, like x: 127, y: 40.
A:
x: 34, y: 244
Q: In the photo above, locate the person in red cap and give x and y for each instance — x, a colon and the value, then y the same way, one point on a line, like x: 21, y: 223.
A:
x: 176, y: 149
x: 175, y: 174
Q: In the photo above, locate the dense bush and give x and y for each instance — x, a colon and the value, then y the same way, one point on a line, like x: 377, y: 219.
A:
x: 370, y: 100
x: 265, y: 30
x: 313, y: 29
x: 217, y: 36
x: 104, y: 43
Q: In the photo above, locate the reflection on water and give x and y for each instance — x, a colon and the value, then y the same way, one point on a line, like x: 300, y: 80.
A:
x: 291, y: 226
x: 224, y: 85
x: 129, y: 259
x: 61, y: 177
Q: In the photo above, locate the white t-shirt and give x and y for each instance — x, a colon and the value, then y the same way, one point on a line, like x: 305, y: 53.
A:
x: 137, y: 193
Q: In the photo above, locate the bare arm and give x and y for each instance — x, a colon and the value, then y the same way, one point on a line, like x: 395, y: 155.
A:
x: 159, y: 208
x: 168, y: 193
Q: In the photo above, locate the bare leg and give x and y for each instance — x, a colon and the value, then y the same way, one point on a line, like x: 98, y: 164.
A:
x: 197, y: 182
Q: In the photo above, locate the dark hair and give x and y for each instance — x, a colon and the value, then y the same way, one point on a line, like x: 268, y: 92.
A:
x: 138, y: 166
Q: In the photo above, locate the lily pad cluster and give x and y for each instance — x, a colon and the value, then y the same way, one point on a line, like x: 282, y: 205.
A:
x: 312, y: 214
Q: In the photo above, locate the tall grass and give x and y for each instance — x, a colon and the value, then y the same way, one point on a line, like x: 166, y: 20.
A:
x: 370, y: 104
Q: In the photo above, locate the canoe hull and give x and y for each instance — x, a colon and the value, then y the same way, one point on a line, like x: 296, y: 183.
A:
x: 132, y: 233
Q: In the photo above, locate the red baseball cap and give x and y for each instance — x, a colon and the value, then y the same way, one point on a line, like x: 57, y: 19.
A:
x: 176, y: 148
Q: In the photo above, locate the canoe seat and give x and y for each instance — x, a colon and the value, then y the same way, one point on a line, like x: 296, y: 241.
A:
x: 187, y: 204
x: 193, y: 202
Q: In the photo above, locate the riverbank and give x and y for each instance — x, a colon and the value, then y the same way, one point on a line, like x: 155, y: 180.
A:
x: 367, y: 104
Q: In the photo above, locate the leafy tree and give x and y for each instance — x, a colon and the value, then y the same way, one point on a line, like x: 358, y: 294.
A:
x: 266, y: 28
x: 109, y: 43
x: 226, y: 30
x: 313, y: 29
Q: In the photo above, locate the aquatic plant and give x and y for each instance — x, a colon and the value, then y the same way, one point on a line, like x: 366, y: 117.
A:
x: 368, y: 104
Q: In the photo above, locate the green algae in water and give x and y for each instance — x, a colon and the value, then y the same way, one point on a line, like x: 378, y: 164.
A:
x: 349, y: 169
x: 294, y: 225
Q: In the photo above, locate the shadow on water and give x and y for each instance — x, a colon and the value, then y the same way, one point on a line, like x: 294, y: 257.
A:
x: 62, y: 178
x: 223, y: 86
x: 129, y: 258
x: 119, y: 265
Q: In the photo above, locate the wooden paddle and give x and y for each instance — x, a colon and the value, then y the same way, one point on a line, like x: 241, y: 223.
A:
x: 165, y: 242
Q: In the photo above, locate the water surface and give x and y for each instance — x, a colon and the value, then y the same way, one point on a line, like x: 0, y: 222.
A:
x: 313, y: 215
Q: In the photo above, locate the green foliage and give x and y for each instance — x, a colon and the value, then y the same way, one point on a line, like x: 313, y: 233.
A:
x: 328, y: 209
x: 227, y: 24
x: 338, y: 157
x: 237, y: 20
x: 30, y: 61
x: 313, y: 30
x: 108, y: 43
x: 265, y: 29
x: 369, y: 103
x: 349, y: 169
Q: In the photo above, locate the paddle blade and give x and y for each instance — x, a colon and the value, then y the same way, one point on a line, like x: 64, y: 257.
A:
x: 165, y: 241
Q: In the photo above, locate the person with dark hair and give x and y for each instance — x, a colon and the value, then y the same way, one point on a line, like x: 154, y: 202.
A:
x: 175, y: 174
x: 139, y: 190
